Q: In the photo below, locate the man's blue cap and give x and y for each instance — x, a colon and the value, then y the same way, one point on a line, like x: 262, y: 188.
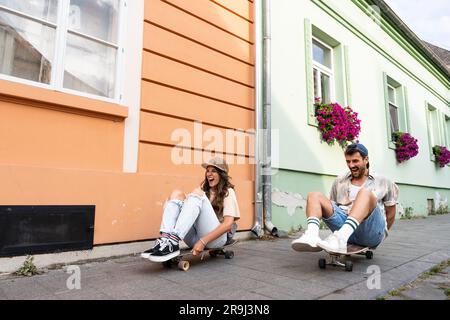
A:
x: 358, y: 147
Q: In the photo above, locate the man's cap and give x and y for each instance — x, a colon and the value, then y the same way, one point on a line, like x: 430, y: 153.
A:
x: 358, y: 147
x: 218, y: 163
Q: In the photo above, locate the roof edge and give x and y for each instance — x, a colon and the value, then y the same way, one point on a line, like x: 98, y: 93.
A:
x: 390, y: 16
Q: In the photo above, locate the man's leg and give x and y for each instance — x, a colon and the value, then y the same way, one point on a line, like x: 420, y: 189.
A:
x: 318, y: 206
x: 362, y: 207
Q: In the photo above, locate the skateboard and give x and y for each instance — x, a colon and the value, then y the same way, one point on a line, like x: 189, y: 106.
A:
x: 336, y: 259
x: 183, y: 263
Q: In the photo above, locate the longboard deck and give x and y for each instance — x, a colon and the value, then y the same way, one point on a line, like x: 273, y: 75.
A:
x: 184, y: 264
x: 335, y: 258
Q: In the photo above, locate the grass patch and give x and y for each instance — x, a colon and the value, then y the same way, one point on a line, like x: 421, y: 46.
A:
x: 397, y: 292
x: 447, y: 292
x: 28, y: 268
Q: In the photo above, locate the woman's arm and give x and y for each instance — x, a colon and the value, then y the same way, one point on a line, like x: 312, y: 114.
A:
x: 224, y: 227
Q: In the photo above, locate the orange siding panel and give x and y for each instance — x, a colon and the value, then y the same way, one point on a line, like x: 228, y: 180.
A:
x: 174, y: 102
x: 157, y: 159
x: 242, y: 8
x: 217, y: 16
x: 129, y: 207
x: 169, y: 44
x: 43, y: 137
x: 171, y: 131
x: 178, y: 75
x: 169, y: 17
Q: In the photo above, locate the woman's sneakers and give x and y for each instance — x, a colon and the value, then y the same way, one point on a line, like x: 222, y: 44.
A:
x: 168, y: 249
x: 150, y: 251
x: 307, y: 242
x: 156, y: 247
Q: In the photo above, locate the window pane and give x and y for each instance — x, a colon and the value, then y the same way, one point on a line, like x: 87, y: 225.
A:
x: 326, y: 88
x: 393, y: 111
x: 90, y: 67
x: 42, y: 9
x: 447, y: 125
x: 26, y: 48
x: 391, y: 92
x: 316, y: 89
x: 98, y: 18
x: 321, y: 54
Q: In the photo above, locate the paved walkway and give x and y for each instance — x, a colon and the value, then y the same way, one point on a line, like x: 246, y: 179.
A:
x: 261, y: 270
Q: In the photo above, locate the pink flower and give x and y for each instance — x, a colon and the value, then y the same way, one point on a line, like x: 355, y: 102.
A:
x: 337, y: 124
x: 442, y: 155
x: 406, y: 146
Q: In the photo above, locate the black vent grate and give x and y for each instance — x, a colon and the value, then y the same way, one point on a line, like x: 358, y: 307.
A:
x: 26, y: 230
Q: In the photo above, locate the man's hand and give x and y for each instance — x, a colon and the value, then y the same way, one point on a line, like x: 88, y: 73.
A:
x: 390, y: 216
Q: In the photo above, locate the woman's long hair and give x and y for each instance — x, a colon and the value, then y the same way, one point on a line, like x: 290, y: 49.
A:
x: 221, y: 192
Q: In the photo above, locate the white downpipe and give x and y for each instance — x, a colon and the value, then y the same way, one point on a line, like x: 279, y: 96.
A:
x: 264, y: 121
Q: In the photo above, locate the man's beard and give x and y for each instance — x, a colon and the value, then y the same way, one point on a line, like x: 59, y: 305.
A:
x: 360, y: 173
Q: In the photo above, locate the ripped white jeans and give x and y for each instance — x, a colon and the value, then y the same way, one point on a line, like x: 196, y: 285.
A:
x: 192, y: 219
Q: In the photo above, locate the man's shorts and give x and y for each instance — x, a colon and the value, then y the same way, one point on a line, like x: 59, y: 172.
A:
x: 370, y: 233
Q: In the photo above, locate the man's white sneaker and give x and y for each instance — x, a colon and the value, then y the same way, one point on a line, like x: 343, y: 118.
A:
x: 307, y: 243
x: 333, y: 244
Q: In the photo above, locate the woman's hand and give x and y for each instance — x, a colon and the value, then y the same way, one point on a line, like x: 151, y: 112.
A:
x: 198, y: 248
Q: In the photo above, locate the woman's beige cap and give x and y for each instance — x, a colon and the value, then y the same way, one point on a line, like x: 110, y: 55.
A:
x: 218, y: 163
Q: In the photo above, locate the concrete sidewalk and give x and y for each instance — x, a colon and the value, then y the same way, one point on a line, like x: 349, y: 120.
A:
x: 261, y: 270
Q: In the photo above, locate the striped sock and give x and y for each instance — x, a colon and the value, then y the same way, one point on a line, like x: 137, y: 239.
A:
x: 174, y: 238
x: 348, y: 229
x: 313, y: 225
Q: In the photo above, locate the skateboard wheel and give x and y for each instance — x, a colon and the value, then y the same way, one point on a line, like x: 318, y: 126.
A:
x: 322, y: 263
x: 349, y: 266
x: 183, y: 265
x: 369, y: 255
x: 229, y: 255
x: 167, y: 264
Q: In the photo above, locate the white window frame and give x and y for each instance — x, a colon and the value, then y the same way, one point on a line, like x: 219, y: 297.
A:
x: 395, y: 105
x: 447, y: 130
x: 61, y: 29
x: 322, y: 69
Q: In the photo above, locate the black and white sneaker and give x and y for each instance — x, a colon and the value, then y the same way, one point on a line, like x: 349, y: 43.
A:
x: 155, y: 248
x: 168, y: 249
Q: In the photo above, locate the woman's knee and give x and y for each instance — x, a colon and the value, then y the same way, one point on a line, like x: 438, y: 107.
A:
x: 178, y: 195
x: 198, y: 192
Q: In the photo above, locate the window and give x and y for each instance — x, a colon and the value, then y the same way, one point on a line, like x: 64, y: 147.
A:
x: 396, y: 108
x: 327, y: 70
x: 323, y: 71
x: 447, y: 131
x: 393, y: 109
x: 67, y: 45
x: 434, y: 136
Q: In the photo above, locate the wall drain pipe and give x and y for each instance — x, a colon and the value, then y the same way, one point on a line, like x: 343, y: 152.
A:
x: 263, y: 178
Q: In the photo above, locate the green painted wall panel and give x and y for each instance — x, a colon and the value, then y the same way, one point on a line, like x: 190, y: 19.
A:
x: 302, y: 183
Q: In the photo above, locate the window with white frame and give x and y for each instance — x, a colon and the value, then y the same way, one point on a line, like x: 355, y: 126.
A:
x: 393, y: 108
x: 433, y: 126
x: 396, y: 108
x: 447, y: 130
x: 67, y: 45
x: 323, y: 71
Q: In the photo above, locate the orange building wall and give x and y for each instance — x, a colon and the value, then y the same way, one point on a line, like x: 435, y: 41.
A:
x: 59, y: 149
x: 198, y: 65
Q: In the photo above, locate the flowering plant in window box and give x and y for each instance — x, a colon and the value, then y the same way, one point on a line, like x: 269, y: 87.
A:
x: 442, y: 155
x: 406, y: 146
x: 337, y: 124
